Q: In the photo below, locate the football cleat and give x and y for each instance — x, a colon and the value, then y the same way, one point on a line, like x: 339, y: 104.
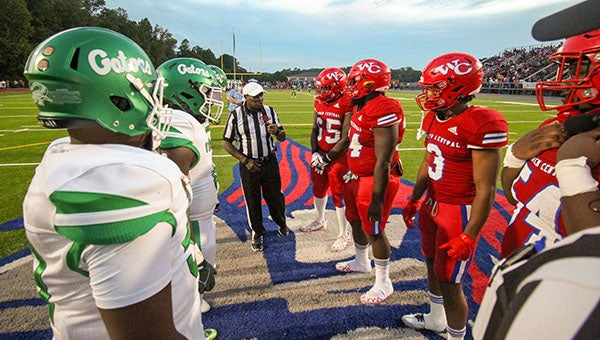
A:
x: 314, y: 226
x: 423, y: 321
x: 340, y: 243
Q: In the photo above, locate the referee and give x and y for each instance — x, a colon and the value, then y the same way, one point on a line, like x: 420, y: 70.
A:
x: 248, y: 137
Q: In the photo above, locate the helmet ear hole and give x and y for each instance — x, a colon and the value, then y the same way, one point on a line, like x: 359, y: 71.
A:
x: 75, y: 59
x: 121, y: 103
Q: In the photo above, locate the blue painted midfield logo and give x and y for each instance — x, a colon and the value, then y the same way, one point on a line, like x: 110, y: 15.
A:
x: 291, y: 261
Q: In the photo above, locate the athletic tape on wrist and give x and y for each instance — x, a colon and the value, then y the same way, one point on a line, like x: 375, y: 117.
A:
x: 511, y: 161
x: 575, y: 177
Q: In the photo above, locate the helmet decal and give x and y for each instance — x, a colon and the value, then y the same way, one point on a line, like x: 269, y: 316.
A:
x: 102, y: 64
x: 39, y: 93
x: 458, y: 67
x: 184, y: 69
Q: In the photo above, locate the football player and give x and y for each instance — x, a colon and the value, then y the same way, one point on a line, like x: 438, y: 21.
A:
x: 376, y: 127
x: 107, y: 219
x: 528, y: 176
x: 329, y: 141
x: 188, y: 144
x: 552, y: 291
x: 463, y: 153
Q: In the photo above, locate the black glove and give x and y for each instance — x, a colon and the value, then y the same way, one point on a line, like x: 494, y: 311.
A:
x: 206, y: 277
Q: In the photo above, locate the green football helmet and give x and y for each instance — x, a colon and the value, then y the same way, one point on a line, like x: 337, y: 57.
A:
x: 95, y: 74
x: 190, y: 86
x: 220, y: 86
x: 221, y: 77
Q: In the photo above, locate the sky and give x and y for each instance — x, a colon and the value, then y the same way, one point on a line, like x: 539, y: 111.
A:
x: 272, y: 35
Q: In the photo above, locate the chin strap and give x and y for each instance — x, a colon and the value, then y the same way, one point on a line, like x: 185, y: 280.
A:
x: 420, y: 131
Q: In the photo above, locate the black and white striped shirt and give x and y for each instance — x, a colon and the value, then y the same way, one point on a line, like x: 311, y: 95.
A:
x: 552, y: 295
x: 248, y: 131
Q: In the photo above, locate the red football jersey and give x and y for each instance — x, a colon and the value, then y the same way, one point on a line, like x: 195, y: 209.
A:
x: 538, y: 211
x: 378, y: 112
x: 449, y: 143
x: 330, y: 118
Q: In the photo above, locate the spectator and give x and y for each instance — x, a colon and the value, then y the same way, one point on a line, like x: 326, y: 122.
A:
x: 235, y: 97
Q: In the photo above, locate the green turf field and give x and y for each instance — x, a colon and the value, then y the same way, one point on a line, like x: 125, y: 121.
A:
x: 23, y: 141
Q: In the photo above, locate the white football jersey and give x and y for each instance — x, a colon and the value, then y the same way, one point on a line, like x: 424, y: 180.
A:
x: 186, y: 131
x: 100, y: 220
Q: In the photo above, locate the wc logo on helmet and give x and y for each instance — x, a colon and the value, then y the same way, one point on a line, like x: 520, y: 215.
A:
x: 183, y: 69
x: 335, y: 75
x: 103, y: 64
x: 456, y: 66
x: 371, y: 66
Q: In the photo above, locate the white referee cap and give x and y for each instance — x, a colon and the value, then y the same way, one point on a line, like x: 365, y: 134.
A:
x: 253, y: 89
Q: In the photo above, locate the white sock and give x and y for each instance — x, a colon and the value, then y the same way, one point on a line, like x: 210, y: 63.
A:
x: 341, y: 218
x: 454, y: 334
x: 320, y: 204
x: 382, y: 272
x: 362, y: 255
x: 437, y: 312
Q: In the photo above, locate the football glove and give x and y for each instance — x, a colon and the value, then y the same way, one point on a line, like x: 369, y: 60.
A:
x: 349, y: 176
x: 410, y: 210
x: 460, y: 247
x: 315, y: 159
x: 206, y: 277
x: 320, y: 163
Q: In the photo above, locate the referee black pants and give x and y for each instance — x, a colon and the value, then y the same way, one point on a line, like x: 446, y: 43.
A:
x: 268, y: 182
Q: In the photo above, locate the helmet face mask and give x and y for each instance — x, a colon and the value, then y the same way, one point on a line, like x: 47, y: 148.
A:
x: 577, y: 79
x: 95, y: 74
x: 190, y: 85
x: 367, y: 76
x: 448, y: 80
x: 330, y: 84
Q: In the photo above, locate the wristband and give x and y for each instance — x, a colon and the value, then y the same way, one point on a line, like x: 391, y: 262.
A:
x: 575, y: 177
x: 511, y: 161
x: 326, y: 158
x: 245, y: 162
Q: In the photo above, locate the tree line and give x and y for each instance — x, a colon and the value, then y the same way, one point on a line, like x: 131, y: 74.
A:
x: 26, y: 23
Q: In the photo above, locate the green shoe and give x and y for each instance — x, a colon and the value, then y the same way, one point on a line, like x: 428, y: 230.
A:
x: 210, y: 333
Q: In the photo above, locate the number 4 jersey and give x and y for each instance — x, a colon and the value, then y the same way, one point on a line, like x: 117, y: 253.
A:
x: 379, y: 112
x: 449, y: 144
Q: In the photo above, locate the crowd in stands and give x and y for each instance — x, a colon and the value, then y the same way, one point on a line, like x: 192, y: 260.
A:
x: 519, y: 64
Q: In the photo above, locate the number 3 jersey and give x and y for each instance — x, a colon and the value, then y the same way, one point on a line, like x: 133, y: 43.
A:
x: 449, y: 144
x: 329, y: 120
x: 107, y: 226
x: 380, y: 111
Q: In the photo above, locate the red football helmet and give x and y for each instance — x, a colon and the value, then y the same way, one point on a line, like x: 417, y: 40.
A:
x: 578, y: 76
x: 330, y: 84
x: 367, y: 76
x: 448, y: 79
